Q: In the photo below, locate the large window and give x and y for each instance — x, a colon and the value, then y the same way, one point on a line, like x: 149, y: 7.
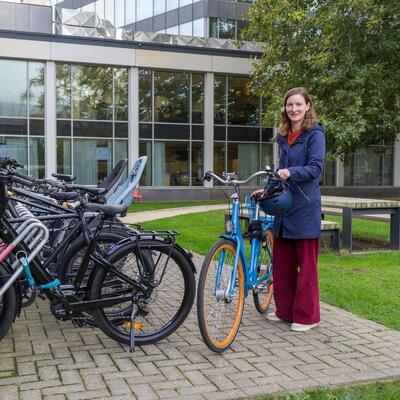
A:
x: 241, y: 143
x: 92, y: 120
x: 22, y: 113
x: 369, y: 167
x: 171, y: 131
x: 224, y: 28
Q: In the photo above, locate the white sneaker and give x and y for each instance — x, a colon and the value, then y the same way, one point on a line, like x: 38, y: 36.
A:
x: 273, y: 317
x: 295, y: 327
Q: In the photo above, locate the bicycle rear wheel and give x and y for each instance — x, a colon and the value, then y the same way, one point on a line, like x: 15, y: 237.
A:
x: 262, y: 295
x: 170, y: 301
x: 219, y: 317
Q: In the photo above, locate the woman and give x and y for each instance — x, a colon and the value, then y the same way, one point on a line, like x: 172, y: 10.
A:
x: 301, y: 143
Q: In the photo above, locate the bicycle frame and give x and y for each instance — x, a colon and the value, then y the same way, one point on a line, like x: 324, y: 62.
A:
x: 249, y: 266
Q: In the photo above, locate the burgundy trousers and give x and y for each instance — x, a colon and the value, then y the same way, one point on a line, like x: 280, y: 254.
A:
x: 295, y: 278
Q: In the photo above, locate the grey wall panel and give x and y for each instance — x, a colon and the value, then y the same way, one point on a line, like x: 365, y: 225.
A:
x: 159, y: 22
x: 172, y: 18
x: 40, y: 19
x: 199, y: 10
x: 22, y: 17
x: 226, y: 9
x: 186, y: 14
x: 146, y: 25
x: 7, y: 16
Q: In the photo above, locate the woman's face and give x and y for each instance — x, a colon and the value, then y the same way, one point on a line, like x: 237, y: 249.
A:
x: 296, y: 108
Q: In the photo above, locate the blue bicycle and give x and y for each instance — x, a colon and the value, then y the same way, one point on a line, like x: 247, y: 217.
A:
x: 227, y: 274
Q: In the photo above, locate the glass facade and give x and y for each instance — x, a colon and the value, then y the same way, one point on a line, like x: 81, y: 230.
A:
x: 241, y: 143
x: 22, y: 113
x: 92, y: 120
x: 224, y: 28
x: 171, y: 129
x: 371, y: 166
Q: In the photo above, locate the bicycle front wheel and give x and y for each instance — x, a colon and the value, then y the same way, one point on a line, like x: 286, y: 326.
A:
x: 170, y: 301
x: 262, y: 294
x: 219, y: 315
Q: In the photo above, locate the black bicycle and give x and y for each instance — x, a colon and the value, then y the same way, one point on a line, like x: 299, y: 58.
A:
x: 139, y: 290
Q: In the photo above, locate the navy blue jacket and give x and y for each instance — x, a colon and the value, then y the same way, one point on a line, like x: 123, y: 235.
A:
x: 305, y: 160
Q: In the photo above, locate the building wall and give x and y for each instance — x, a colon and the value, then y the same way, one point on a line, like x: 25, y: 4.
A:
x: 42, y: 60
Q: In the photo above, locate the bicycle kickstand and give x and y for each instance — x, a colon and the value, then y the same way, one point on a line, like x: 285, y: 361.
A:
x: 134, y: 313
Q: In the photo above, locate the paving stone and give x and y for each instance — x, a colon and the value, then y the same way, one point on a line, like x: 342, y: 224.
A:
x: 42, y: 358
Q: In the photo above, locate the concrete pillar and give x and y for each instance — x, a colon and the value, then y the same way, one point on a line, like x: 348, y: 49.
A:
x: 208, y: 124
x: 50, y: 122
x: 339, y: 173
x: 133, y: 116
x: 396, y: 162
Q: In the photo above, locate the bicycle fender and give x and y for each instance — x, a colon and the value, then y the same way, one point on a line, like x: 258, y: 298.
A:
x: 17, y: 287
x: 187, y: 256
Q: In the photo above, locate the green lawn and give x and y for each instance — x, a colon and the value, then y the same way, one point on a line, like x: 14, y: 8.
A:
x: 364, y: 284
x: 158, y: 205
x: 373, y: 391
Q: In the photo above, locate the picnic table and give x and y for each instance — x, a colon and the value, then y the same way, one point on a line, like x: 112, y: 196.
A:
x: 357, y: 206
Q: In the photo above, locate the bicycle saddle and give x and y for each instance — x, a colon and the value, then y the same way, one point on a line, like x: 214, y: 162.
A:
x: 64, y: 177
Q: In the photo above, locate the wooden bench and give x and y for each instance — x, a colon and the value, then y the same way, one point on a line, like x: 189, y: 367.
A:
x: 328, y: 229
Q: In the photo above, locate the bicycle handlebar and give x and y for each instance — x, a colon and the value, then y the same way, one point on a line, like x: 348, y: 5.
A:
x: 235, y: 182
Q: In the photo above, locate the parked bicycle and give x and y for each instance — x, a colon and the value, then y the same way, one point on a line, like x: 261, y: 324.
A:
x: 137, y: 291
x: 227, y: 273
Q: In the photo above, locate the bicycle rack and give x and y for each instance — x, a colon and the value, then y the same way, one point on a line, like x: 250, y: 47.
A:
x: 33, y: 233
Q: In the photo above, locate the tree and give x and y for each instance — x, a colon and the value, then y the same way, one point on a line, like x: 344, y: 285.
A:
x: 346, y: 52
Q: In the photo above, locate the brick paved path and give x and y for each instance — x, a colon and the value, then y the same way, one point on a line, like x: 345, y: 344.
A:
x: 42, y: 358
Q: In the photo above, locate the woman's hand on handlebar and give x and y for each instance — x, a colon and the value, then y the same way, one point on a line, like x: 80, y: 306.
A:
x: 284, y: 174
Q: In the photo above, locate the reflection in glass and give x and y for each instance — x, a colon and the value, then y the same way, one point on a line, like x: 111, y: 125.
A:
x: 64, y: 156
x: 267, y: 155
x: 172, y: 4
x: 367, y: 167
x: 197, y: 98
x: 226, y: 28
x: 92, y: 92
x: 243, y: 158
x: 241, y: 26
x: 36, y: 157
x: 171, y: 96
x: 119, y: 13
x: 219, y: 157
x: 144, y: 9
x: 15, y: 147
x: 13, y: 126
x: 36, y: 127
x: 171, y: 164
x: 159, y: 7
x: 36, y: 89
x: 186, y: 29
x: 145, y: 150
x: 99, y: 9
x: 219, y: 99
x: 198, y: 27
x: 63, y: 87
x: 92, y: 128
x: 145, y: 95
x: 121, y: 152
x: 243, y: 106
x: 197, y: 163
x: 92, y: 160
x: 185, y: 2
x: 13, y: 84
x: 109, y: 11
x: 173, y: 30
x: 329, y: 178
x: 214, y: 27
x: 121, y: 94
x: 130, y: 11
